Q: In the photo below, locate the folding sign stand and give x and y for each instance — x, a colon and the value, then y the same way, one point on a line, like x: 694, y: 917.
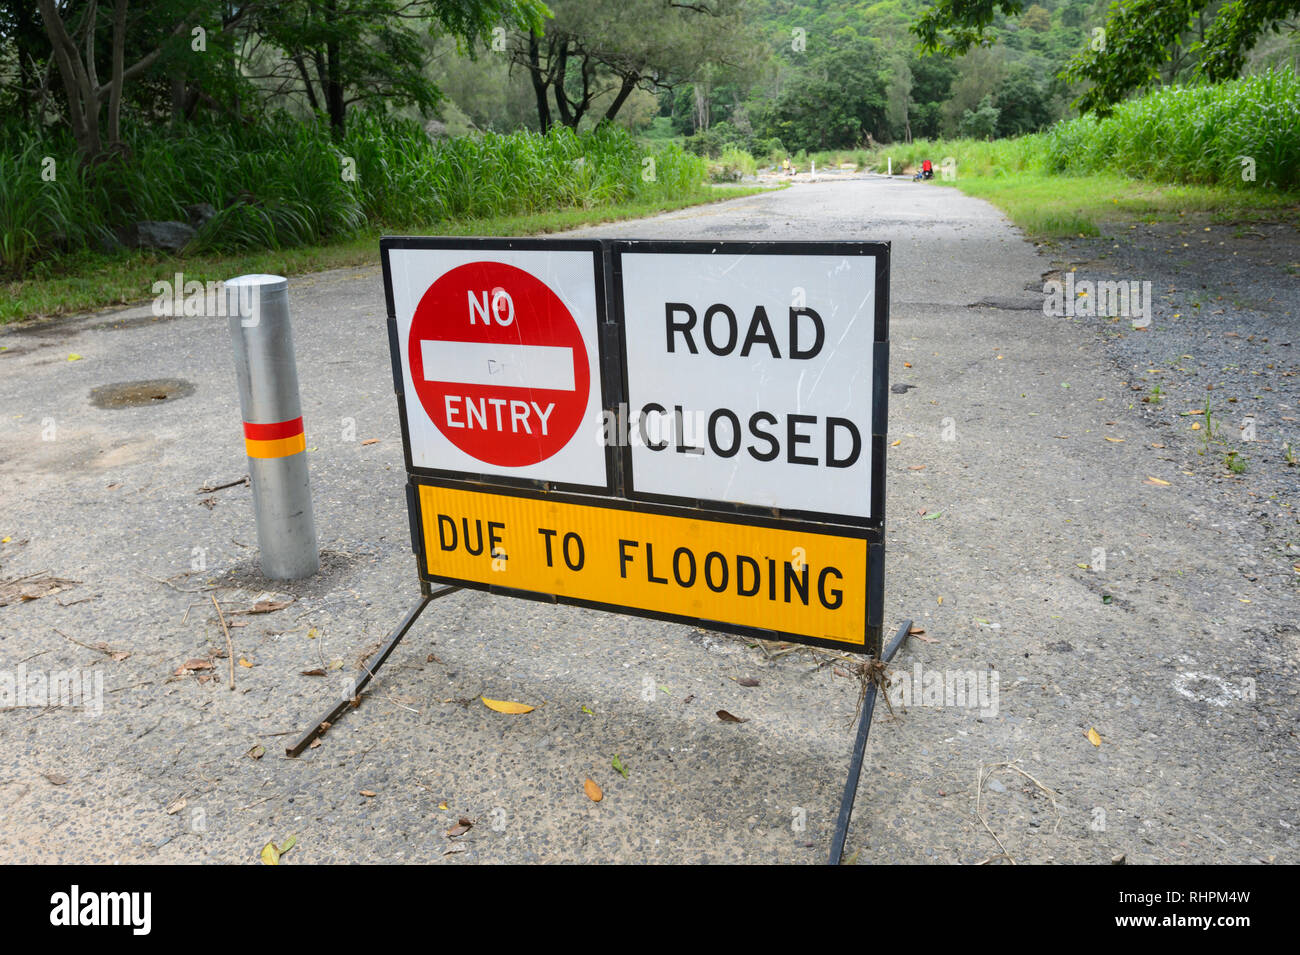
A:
x: 353, y: 696
x: 769, y: 519
x: 859, y: 750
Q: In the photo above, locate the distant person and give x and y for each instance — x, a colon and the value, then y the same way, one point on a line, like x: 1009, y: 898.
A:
x: 927, y: 170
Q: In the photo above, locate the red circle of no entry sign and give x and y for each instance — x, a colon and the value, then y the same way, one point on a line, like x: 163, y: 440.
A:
x: 499, y: 364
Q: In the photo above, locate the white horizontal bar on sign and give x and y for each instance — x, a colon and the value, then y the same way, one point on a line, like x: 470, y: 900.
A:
x: 548, y: 367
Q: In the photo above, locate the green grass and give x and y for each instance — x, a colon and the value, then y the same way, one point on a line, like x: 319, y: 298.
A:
x: 1048, y: 205
x: 91, y: 281
x: 284, y: 184
x: 288, y: 198
x: 1173, y: 152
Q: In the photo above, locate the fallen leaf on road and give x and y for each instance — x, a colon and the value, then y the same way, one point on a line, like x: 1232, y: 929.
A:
x: 369, y: 793
x: 461, y: 827
x: 56, y: 779
x: 932, y: 516
x: 316, y: 672
x: 1156, y: 482
x: 271, y: 853
x: 916, y: 467
x: 189, y: 666
x: 594, y: 792
x: 747, y: 681
x: 370, y: 441
x: 730, y: 718
x: 177, y: 806
x: 506, y: 706
x: 619, y: 767
x: 1115, y: 440
x: 257, y: 752
x: 458, y: 847
x: 244, y: 663
x: 1094, y: 737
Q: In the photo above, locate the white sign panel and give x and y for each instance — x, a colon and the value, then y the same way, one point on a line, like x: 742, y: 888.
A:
x: 749, y: 378
x: 500, y: 360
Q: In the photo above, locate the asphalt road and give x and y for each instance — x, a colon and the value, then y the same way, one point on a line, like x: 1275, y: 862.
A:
x: 1156, y: 614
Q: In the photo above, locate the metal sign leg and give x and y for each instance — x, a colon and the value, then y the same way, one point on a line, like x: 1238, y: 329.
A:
x: 859, y: 750
x: 359, y: 684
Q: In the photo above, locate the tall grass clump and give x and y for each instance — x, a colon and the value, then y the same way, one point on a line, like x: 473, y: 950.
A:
x: 1192, y: 134
x: 1181, y: 134
x: 284, y: 183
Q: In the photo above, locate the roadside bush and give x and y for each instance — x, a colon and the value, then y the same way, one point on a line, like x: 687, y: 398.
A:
x: 287, y: 183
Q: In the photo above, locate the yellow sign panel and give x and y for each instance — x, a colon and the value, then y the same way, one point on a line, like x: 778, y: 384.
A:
x: 792, y: 581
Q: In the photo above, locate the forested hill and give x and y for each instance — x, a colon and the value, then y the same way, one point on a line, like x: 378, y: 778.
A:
x: 841, y: 71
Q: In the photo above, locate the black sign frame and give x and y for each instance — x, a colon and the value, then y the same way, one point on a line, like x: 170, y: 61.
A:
x: 613, y: 381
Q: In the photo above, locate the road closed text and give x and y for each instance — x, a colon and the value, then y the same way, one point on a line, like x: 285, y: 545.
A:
x: 792, y: 581
x: 749, y: 379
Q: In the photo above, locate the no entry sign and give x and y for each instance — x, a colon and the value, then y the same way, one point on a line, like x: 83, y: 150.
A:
x: 683, y: 430
x: 500, y: 353
x: 499, y: 364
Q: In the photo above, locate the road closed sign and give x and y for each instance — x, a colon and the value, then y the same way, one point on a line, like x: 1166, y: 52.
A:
x: 681, y: 430
x: 750, y: 375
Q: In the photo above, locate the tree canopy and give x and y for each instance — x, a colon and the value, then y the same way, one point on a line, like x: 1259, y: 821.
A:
x: 1135, y: 42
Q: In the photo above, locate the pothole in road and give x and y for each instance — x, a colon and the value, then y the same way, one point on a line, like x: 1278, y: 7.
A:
x: 133, y: 394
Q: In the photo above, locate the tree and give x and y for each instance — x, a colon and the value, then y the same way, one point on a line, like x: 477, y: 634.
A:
x: 339, y: 52
x: 1138, y: 37
x: 980, y: 123
x: 97, y: 133
x: 332, y: 52
x: 21, y: 23
x: 1022, y: 105
x: 1036, y: 18
x: 838, y: 100
x: 601, y: 50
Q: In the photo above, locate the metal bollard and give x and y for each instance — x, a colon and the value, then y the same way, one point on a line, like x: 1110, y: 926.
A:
x: 258, y: 311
